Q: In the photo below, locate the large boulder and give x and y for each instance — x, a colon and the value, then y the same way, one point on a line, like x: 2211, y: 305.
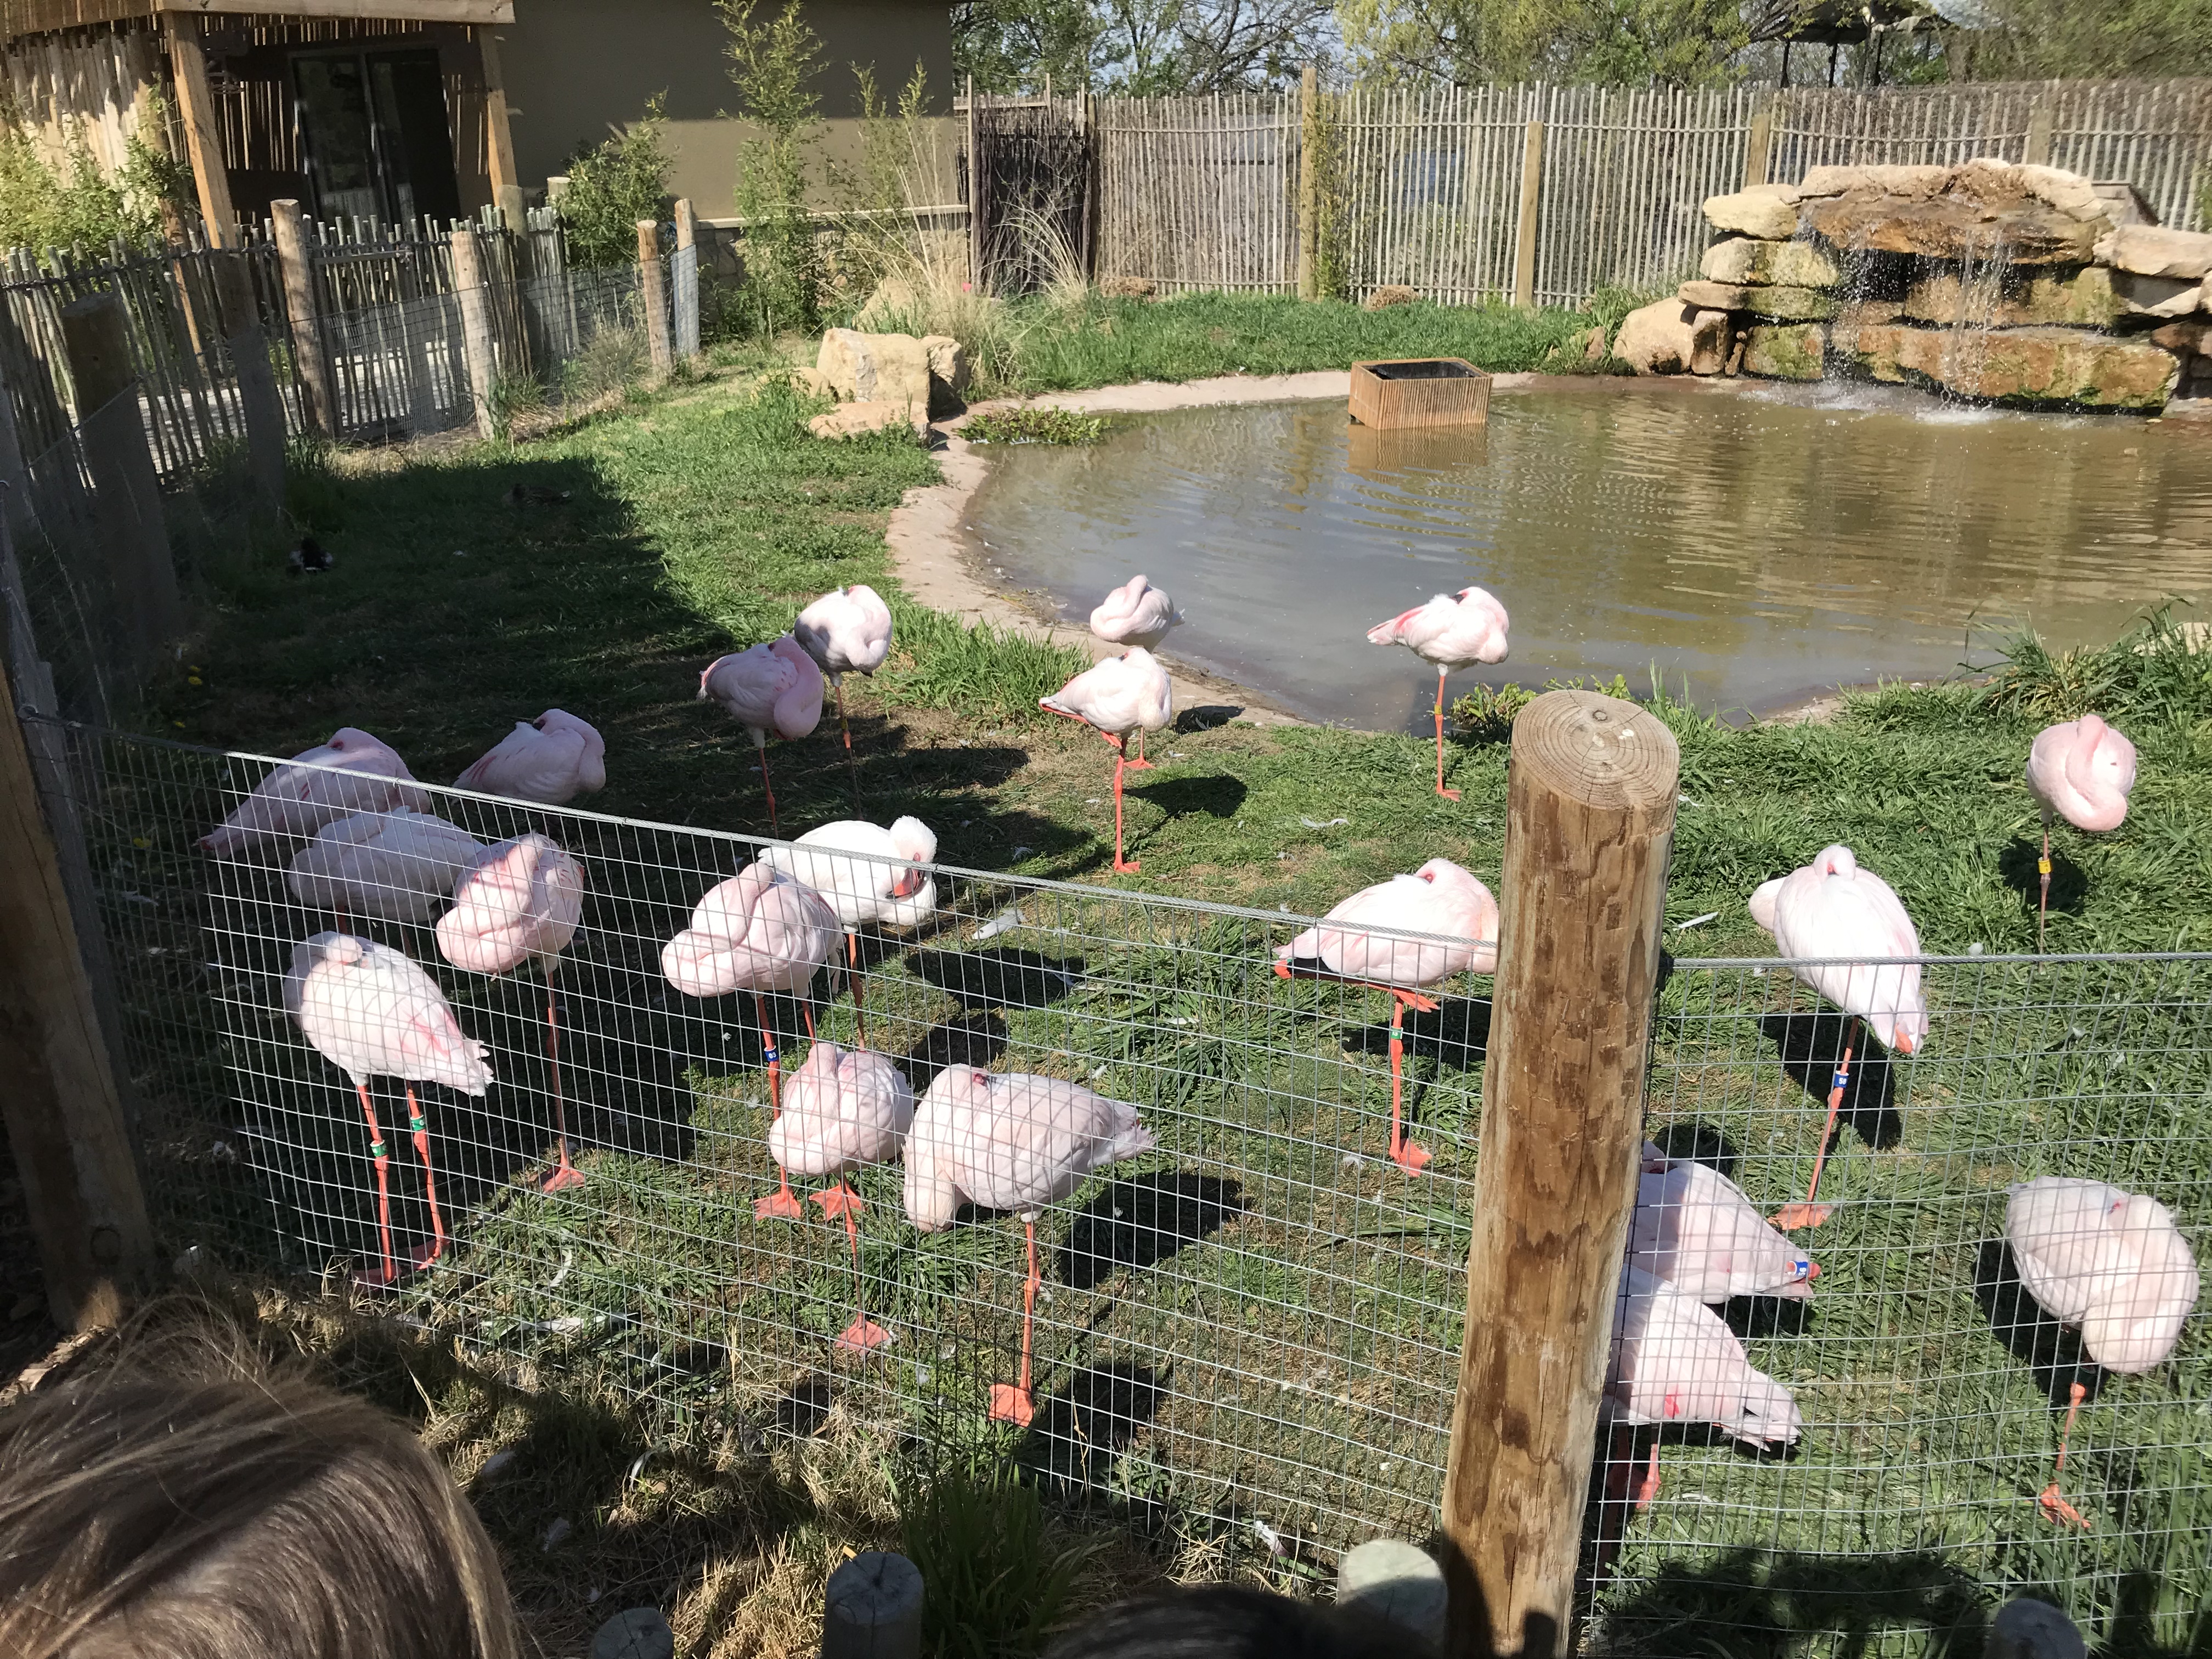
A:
x: 2158, y: 251
x: 1751, y: 260
x: 1711, y: 336
x: 1922, y: 182
x: 2025, y: 365
x: 870, y: 368
x: 1955, y: 212
x: 2075, y: 299
x: 1768, y: 211
x: 948, y: 362
x: 1786, y: 304
x: 851, y: 420
x: 1657, y: 338
x: 2156, y: 296
x: 1785, y: 351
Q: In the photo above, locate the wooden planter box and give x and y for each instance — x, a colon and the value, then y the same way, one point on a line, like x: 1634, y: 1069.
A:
x: 1403, y: 391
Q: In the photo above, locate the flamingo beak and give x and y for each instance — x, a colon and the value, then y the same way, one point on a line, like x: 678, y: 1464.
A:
x: 908, y: 884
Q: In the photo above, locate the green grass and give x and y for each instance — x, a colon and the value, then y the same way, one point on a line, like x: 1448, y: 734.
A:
x: 1030, y: 425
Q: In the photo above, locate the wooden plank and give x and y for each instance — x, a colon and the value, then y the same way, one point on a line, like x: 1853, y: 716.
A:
x: 247, y: 347
x: 475, y: 297
x: 499, y: 135
x: 310, y: 360
x: 421, y: 11
x: 202, y: 136
x: 1590, y: 817
x: 1524, y: 241
x: 654, y: 286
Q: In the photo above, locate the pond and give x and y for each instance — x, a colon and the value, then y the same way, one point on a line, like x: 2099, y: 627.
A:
x: 1754, y: 544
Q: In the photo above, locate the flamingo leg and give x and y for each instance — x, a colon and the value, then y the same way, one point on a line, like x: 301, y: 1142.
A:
x: 564, y: 1174
x: 420, y: 1129
x: 1013, y: 1404
x: 2043, y: 879
x: 760, y: 741
x: 1810, y: 1214
x: 852, y: 772
x: 860, y: 1013
x: 1449, y: 794
x: 1126, y: 866
x: 1406, y: 1155
x: 376, y: 1151
x: 863, y: 1336
x: 2054, y: 1506
x: 782, y: 1202
x: 1648, y: 1488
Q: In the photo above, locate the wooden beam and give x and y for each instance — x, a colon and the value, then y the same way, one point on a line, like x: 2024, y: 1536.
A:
x: 1589, y: 817
x: 499, y: 136
x: 1309, y: 182
x: 300, y: 308
x: 653, y: 282
x: 1532, y: 201
x: 203, y: 137
x: 424, y: 11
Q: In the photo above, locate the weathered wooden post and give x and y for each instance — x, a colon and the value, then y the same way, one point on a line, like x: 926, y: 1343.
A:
x: 309, y: 361
x: 195, y: 112
x: 1589, y: 819
x: 148, y: 612
x: 685, y: 271
x: 1760, y: 144
x: 475, y: 301
x: 2035, y: 153
x: 653, y: 285
x: 1309, y: 183
x: 1532, y: 198
x: 246, y: 344
x: 65, y: 1116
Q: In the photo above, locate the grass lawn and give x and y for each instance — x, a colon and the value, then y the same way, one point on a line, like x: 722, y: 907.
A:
x: 1290, y: 1364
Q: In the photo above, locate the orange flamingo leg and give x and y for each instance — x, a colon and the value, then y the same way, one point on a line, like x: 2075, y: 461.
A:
x: 860, y: 1013
x: 1449, y: 794
x: 1808, y: 1214
x: 767, y: 788
x: 1648, y: 1488
x: 863, y: 1336
x: 1013, y: 1404
x: 1406, y: 1155
x: 2043, y: 876
x: 383, y: 1193
x: 2054, y: 1506
x: 1126, y: 866
x: 782, y: 1202
x: 852, y: 772
x: 564, y: 1174
x: 423, y: 1256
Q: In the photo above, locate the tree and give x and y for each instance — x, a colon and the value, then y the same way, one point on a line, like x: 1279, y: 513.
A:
x: 611, y: 186
x: 776, y: 65
x: 1468, y: 42
x: 2033, y: 39
x: 1142, y: 48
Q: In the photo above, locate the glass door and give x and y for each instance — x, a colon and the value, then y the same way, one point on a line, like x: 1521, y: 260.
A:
x: 373, y: 137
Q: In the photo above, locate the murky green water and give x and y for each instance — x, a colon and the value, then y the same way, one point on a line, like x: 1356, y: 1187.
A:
x: 1760, y: 545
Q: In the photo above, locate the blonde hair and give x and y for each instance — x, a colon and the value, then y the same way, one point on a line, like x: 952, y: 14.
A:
x: 192, y: 1504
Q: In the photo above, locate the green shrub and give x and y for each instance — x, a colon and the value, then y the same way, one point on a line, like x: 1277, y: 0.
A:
x: 776, y: 65
x: 1486, y: 716
x: 1033, y: 425
x: 44, y: 206
x: 999, y: 1583
x: 2159, y: 673
x: 612, y: 186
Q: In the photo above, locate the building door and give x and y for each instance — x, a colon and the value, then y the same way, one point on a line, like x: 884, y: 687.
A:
x: 373, y: 135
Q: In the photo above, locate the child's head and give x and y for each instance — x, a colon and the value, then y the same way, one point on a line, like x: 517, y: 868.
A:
x: 199, y: 1508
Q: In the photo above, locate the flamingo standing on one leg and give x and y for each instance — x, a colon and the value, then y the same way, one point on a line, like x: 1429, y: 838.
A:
x: 1011, y: 1141
x: 846, y: 631
x: 2082, y: 771
x: 2111, y: 1263
x: 1128, y: 693
x: 846, y: 1107
x: 1454, y: 631
x: 372, y: 1012
x: 1832, y: 907
x: 1440, y: 897
x: 881, y: 885
x: 1694, y: 1228
x: 552, y: 759
x: 758, y: 932
x: 1135, y: 613
x: 522, y: 903
x: 300, y: 798
x: 771, y: 688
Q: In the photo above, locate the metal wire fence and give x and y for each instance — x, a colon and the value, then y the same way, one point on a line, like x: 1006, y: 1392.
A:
x: 1252, y: 1330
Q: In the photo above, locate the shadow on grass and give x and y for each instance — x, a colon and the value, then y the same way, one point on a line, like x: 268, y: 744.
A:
x: 2052, y: 1351
x: 1087, y: 1421
x: 1810, y: 1046
x: 1143, y: 1221
x: 2069, y: 882
x: 1216, y: 794
x: 976, y: 1039
x: 1457, y: 1033
x: 999, y: 978
x: 1698, y: 1143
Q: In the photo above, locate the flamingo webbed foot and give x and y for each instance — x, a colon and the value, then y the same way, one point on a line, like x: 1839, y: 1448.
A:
x: 1791, y: 1216
x: 1128, y: 867
x: 423, y: 1254
x: 1140, y: 764
x: 563, y: 1175
x: 1449, y: 794
x: 1011, y: 1405
x: 837, y: 1201
x: 2058, y: 1509
x: 782, y: 1204
x: 1409, y: 1158
x: 862, y: 1336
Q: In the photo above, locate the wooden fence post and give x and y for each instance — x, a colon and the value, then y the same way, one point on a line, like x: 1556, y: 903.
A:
x: 2038, y: 151
x: 202, y: 134
x: 475, y: 300
x: 247, y: 344
x: 1589, y: 819
x: 1760, y: 144
x: 1524, y: 238
x: 308, y: 360
x: 685, y: 271
x: 653, y: 285
x: 976, y: 195
x: 1308, y: 183
x: 142, y: 575
x: 65, y: 1115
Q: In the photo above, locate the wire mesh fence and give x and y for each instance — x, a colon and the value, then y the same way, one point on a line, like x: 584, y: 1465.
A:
x: 1249, y: 1330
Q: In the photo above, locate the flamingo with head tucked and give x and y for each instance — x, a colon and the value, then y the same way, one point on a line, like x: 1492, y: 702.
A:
x: 371, y: 1012
x: 2082, y: 771
x: 1454, y: 631
x: 398, y: 865
x: 552, y: 759
x: 758, y: 932
x: 299, y: 798
x: 521, y: 903
x: 1694, y: 1228
x: 1834, y: 908
x: 880, y: 886
x: 845, y: 1107
x: 1135, y: 613
x: 1128, y: 693
x: 771, y: 688
x: 1440, y: 897
x: 846, y: 631
x: 2112, y: 1264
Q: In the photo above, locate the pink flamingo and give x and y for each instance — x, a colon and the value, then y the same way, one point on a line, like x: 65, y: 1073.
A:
x: 1013, y: 1141
x: 1441, y: 899
x: 1833, y: 908
x: 2110, y: 1263
x: 2082, y: 771
x: 758, y: 932
x: 521, y: 903
x: 1454, y: 631
x: 1135, y: 613
x: 846, y: 631
x: 371, y: 1012
x: 552, y: 759
x: 399, y: 866
x: 1116, y: 696
x: 1695, y: 1229
x: 774, y: 687
x: 300, y: 798
x: 1674, y: 1360
x: 881, y: 885
x: 846, y: 1107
